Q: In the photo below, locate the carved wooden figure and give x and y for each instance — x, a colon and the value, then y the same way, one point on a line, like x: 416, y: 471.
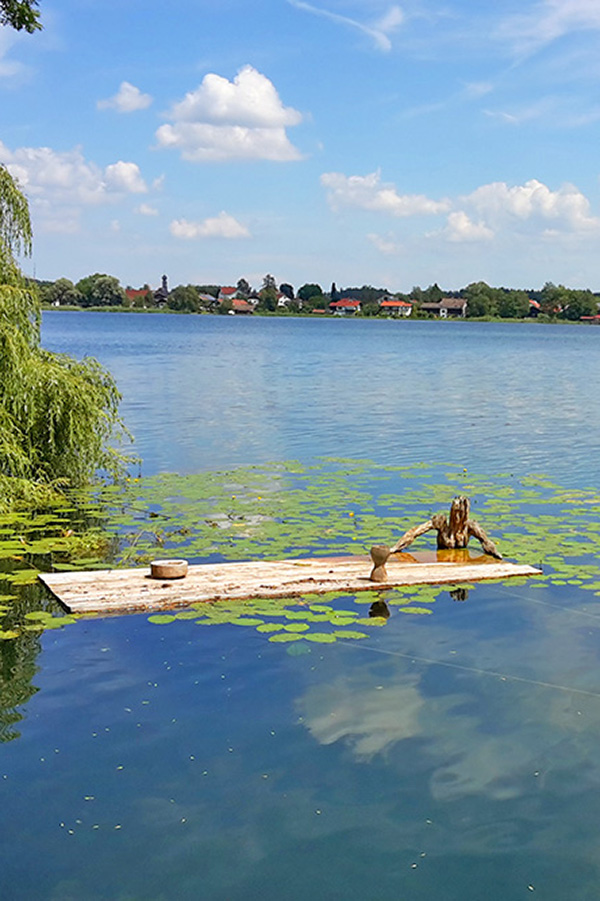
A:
x: 451, y: 533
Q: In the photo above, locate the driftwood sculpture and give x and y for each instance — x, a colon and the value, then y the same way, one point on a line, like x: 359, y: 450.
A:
x: 451, y: 533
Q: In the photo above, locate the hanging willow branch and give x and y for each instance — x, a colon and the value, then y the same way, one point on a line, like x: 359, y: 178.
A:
x: 58, y: 415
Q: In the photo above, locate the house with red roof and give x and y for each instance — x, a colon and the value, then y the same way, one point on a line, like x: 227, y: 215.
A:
x: 228, y: 293
x: 241, y: 305
x: 346, y: 306
x: 138, y: 296
x: 394, y: 307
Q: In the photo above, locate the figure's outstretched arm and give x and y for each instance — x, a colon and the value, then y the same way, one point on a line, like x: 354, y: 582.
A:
x: 486, y: 543
x: 410, y: 536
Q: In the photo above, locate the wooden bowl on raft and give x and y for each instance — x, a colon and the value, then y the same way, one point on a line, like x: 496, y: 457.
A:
x: 168, y: 569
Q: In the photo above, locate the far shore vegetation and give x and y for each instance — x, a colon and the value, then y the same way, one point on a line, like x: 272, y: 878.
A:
x: 478, y: 300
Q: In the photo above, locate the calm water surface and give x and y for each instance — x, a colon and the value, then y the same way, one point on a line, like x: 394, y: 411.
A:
x: 455, y: 756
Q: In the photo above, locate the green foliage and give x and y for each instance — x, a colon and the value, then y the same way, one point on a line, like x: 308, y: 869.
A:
x: 243, y: 288
x: 184, y: 298
x: 208, y: 289
x: 317, y: 302
x: 308, y: 291
x: 20, y: 14
x: 100, y: 290
x: 580, y: 303
x: 371, y: 308
x: 513, y: 304
x: 56, y: 414
x: 62, y: 293
x: 481, y: 300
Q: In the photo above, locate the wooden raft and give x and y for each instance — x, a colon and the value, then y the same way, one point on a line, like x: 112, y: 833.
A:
x: 132, y: 590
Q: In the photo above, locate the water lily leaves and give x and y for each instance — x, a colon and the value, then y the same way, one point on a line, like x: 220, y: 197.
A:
x: 320, y: 637
x: 348, y: 633
x: 414, y: 610
x: 6, y: 634
x: 285, y: 636
x: 58, y: 622
x: 161, y: 619
x: 283, y: 510
x: 22, y: 577
x: 297, y: 627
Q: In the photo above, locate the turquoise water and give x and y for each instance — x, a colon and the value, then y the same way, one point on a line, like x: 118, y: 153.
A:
x: 448, y: 756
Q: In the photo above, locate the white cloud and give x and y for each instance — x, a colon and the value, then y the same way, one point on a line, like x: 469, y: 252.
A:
x: 221, y: 226
x: 378, y: 31
x: 239, y: 119
x: 368, y: 192
x: 495, y: 209
x: 128, y: 99
x: 460, y: 228
x: 534, y: 200
x: 548, y: 21
x: 144, y: 209
x: 125, y: 177
x: 68, y: 177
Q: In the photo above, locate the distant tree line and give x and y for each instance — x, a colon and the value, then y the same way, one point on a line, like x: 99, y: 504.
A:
x: 483, y: 301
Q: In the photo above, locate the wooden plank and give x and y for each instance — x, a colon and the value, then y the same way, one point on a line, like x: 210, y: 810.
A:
x: 129, y: 590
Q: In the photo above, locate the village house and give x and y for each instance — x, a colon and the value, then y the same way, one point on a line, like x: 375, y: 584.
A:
x: 228, y: 293
x: 394, y: 307
x: 135, y: 296
x: 241, y: 305
x: 344, y: 307
x: 447, y: 307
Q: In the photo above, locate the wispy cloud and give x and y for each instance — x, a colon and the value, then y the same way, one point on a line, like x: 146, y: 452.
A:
x: 379, y: 31
x: 370, y: 193
x: 9, y: 68
x: 548, y: 21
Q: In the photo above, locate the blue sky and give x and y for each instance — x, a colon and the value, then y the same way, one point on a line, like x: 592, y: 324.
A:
x: 354, y: 141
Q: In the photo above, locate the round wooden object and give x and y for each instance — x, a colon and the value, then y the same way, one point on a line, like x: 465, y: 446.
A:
x: 168, y: 569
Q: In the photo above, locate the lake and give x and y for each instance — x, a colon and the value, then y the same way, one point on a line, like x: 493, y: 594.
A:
x: 449, y: 751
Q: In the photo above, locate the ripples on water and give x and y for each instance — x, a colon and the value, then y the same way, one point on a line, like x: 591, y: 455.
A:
x: 203, y: 392
x: 206, y: 763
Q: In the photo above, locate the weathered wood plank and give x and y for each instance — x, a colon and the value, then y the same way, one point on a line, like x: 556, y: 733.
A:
x: 132, y: 590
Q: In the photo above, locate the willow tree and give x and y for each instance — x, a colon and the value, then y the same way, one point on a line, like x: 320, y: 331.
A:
x: 57, y: 415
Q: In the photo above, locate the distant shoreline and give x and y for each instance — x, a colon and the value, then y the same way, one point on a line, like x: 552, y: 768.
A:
x: 268, y: 315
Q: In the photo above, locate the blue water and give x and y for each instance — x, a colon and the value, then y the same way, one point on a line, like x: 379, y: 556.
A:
x: 202, y: 392
x: 453, y: 756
